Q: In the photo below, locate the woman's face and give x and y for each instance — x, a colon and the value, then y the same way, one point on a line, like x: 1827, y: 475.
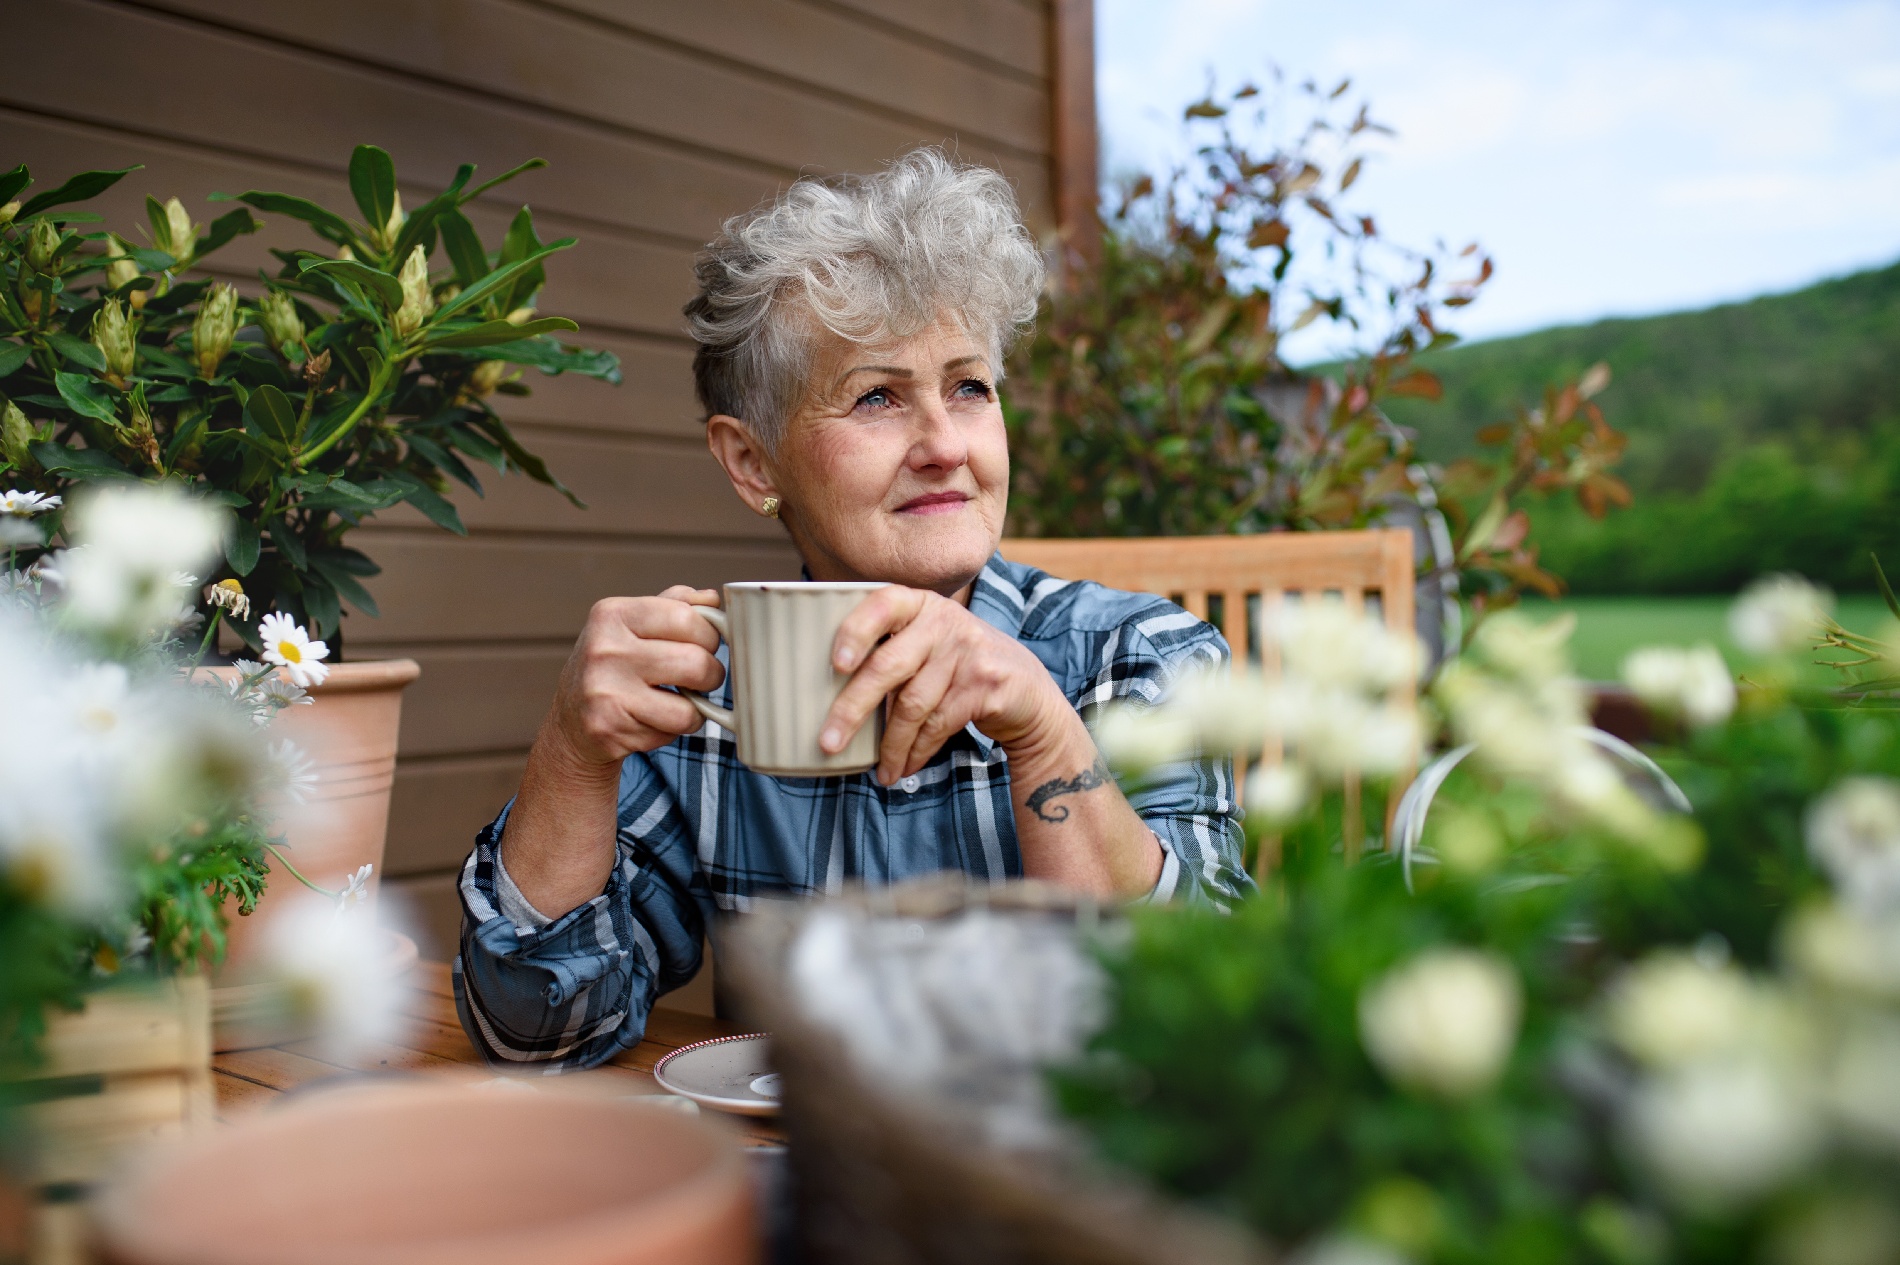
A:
x: 896, y: 467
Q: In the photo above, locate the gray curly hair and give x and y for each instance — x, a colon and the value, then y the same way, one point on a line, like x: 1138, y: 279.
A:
x: 871, y: 258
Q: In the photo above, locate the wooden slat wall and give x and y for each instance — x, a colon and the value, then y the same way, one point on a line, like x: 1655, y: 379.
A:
x: 660, y: 119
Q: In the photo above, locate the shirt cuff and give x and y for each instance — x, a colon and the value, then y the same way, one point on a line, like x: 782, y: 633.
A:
x: 1170, y: 873
x: 515, y: 907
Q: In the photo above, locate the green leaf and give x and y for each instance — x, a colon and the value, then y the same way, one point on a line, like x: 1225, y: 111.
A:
x: 376, y: 280
x: 1880, y: 578
x: 288, y: 543
x: 13, y: 181
x: 430, y: 502
x: 223, y: 229
x: 419, y: 228
x: 78, y: 349
x: 493, y: 333
x: 479, y: 446
x: 242, y: 546
x: 87, y: 184
x: 187, y: 433
x: 224, y: 496
x: 12, y: 356
x: 150, y: 260
x: 531, y: 165
x: 373, y: 181
x: 319, y: 602
x: 531, y: 465
x: 79, y: 463
x: 86, y: 397
x: 494, y: 281
x: 356, y: 498
x: 552, y: 358
x: 521, y: 243
x: 347, y: 585
x: 328, y: 224
x: 270, y: 412
x: 464, y: 248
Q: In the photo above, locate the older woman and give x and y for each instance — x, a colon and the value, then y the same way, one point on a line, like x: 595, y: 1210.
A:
x: 851, y: 338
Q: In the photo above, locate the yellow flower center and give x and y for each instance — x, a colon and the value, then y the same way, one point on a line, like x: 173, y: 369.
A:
x: 288, y: 649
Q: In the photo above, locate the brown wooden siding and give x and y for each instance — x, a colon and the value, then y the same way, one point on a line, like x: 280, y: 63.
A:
x: 659, y: 119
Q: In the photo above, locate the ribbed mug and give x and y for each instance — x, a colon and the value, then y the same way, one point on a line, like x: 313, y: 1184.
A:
x: 783, y: 685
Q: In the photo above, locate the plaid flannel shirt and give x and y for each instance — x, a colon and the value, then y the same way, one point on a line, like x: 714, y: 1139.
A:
x: 699, y: 832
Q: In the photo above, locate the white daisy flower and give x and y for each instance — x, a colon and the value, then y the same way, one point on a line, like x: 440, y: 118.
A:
x: 330, y: 964
x: 287, y: 645
x: 356, y: 890
x: 139, y: 542
x: 20, y: 504
x: 1779, y: 614
x: 228, y: 595
x: 18, y: 533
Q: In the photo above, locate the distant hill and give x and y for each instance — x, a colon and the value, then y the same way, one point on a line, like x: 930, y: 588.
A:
x: 1764, y: 435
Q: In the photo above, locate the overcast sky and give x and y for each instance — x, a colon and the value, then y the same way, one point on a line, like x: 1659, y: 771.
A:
x: 1615, y: 156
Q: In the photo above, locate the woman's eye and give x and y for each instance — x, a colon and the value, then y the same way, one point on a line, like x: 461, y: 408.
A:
x: 877, y: 398
x: 973, y: 389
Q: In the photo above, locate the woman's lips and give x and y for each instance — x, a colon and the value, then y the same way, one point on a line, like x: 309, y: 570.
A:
x: 935, y: 503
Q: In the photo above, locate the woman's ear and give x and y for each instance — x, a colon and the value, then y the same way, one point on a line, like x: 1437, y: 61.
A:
x: 740, y: 452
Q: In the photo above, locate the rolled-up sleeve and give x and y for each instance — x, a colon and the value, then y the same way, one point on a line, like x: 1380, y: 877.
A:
x: 1190, y: 805
x: 573, y: 991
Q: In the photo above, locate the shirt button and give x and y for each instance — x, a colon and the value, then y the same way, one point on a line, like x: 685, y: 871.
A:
x: 910, y: 784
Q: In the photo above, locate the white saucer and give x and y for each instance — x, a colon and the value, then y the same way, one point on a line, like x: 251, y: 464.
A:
x: 726, y: 1074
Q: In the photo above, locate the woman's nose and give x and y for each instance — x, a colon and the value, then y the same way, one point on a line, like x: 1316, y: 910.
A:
x: 938, y: 441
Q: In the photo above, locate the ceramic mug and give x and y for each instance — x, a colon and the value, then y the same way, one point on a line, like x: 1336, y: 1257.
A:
x: 783, y: 685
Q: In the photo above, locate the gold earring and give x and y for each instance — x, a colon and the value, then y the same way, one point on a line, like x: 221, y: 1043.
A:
x: 770, y: 507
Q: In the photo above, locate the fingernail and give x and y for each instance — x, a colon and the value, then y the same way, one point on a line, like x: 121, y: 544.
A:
x: 845, y: 659
x: 830, y: 740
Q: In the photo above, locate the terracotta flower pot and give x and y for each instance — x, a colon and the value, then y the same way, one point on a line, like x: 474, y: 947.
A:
x: 433, y: 1175
x: 349, y: 733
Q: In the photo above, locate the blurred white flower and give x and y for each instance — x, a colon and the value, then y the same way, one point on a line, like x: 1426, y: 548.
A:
x: 22, y: 504
x: 287, y: 645
x: 135, y: 543
x: 1344, y: 733
x: 1444, y: 1022
x: 1671, y: 1009
x: 1278, y: 794
x: 278, y: 693
x: 1720, y: 1131
x: 1778, y: 614
x: 1532, y: 651
x: 18, y: 533
x: 1134, y: 736
x: 1693, y: 684
x: 1853, y: 833
x: 1863, y: 1081
x: 331, y: 966
x: 1838, y: 948
x: 296, y: 771
x: 1328, y: 645
x: 355, y: 889
x: 1349, y: 1249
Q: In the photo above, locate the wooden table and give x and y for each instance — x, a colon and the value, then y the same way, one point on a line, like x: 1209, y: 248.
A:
x: 435, y: 1046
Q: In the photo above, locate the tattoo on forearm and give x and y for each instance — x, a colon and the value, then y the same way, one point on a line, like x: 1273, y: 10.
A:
x: 1086, y: 780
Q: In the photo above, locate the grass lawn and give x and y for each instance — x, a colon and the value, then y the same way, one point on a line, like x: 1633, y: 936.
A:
x: 1608, y: 628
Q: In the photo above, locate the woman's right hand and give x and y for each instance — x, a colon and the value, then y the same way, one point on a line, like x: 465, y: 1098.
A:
x: 609, y: 703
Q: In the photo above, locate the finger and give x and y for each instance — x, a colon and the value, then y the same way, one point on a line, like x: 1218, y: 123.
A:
x: 911, y: 707
x: 692, y: 596
x: 884, y: 612
x: 677, y: 663
x: 953, y: 711
x: 889, y: 666
x: 669, y: 619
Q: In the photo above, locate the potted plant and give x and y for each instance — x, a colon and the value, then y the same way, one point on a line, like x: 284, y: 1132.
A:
x: 133, y: 812
x: 355, y: 378
x: 1584, y: 1004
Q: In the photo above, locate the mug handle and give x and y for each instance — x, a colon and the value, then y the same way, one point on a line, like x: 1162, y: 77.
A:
x: 710, y: 710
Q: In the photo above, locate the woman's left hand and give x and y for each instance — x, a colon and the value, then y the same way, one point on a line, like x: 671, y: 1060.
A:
x: 944, y: 668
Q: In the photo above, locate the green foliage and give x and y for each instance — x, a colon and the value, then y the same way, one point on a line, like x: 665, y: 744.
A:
x: 1762, y: 435
x: 1233, y: 1071
x: 351, y: 384
x: 1154, y: 399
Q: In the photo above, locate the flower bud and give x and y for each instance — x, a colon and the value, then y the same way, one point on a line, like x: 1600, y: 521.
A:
x: 214, y: 328
x: 122, y: 271
x: 486, y: 377
x: 283, y: 328
x: 181, y: 238
x: 142, y: 437
x: 521, y: 315
x: 116, y: 340
x: 417, y: 301
x: 8, y: 211
x: 392, y: 229
x: 15, y: 434
x: 42, y: 244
